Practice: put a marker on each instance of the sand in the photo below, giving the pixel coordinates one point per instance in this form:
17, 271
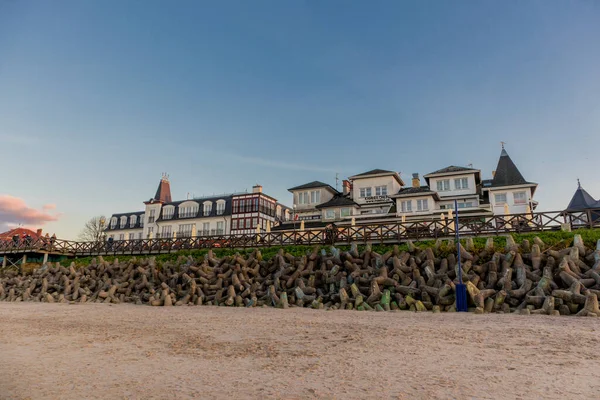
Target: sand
97, 351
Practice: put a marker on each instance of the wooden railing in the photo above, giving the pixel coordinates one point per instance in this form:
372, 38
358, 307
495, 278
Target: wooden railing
396, 232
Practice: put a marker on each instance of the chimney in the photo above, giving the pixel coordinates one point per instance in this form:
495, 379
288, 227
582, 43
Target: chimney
347, 186
257, 189
39, 233
416, 182
493, 174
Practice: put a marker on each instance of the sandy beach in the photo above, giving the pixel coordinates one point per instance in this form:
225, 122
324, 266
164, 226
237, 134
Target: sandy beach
97, 351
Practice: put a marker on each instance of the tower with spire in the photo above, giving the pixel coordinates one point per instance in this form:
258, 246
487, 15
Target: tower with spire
508, 192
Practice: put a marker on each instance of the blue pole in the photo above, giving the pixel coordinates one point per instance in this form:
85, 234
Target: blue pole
461, 289
457, 242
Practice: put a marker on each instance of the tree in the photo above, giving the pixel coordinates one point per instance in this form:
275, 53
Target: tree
93, 230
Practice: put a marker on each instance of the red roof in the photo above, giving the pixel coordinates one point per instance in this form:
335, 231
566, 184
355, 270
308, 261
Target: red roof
20, 231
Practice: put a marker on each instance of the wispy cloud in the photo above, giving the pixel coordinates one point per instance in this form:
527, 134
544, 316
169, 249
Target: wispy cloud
14, 211
283, 164
17, 139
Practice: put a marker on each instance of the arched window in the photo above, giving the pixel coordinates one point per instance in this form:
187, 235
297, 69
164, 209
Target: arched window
123, 222
278, 211
113, 222
287, 215
207, 208
188, 209
132, 221
168, 211
220, 207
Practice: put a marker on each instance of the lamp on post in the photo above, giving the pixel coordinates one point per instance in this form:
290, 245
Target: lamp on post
101, 230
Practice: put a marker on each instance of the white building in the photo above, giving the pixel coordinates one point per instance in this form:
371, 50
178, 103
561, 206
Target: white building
371, 190
508, 192
208, 216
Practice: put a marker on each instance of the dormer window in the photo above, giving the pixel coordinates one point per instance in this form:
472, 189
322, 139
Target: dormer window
207, 208
220, 207
168, 212
113, 222
132, 220
188, 209
461, 183
123, 222
365, 192
443, 185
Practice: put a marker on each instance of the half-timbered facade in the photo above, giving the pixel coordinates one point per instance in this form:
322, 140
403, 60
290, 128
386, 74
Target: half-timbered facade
207, 216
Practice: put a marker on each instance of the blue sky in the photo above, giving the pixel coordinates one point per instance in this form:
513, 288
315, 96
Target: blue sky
98, 98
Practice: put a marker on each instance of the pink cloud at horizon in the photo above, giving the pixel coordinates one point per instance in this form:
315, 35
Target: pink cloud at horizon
14, 211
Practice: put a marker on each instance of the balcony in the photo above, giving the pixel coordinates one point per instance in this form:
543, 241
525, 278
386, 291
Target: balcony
188, 214
150, 220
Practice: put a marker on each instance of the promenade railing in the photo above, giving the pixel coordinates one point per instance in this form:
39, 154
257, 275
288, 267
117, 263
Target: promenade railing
395, 232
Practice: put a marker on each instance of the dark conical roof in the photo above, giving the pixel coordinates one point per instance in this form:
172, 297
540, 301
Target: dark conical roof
582, 200
507, 173
163, 193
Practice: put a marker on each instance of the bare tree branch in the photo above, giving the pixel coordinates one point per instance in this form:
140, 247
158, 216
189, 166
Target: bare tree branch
93, 230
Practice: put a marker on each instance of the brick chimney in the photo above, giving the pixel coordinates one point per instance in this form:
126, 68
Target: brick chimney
257, 189
39, 233
493, 174
416, 182
347, 186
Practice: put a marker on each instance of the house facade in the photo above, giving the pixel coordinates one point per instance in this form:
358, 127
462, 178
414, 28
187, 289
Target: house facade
208, 216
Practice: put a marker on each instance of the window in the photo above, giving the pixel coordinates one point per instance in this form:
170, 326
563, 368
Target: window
345, 212
465, 205
220, 207
168, 212
329, 214
520, 197
303, 198
132, 236
188, 210
132, 220
381, 190
254, 222
151, 216
142, 220
166, 231
220, 230
122, 236
234, 224
443, 185
207, 208
365, 192
150, 231
500, 198
113, 222
461, 183
315, 196
185, 230
236, 206
206, 229
140, 235
422, 205
406, 206
123, 222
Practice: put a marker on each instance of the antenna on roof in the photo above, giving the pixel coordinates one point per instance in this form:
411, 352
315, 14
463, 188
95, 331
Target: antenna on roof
578, 183
470, 165
337, 180
502, 143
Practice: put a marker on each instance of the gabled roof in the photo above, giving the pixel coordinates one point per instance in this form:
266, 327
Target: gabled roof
507, 173
313, 185
417, 191
18, 231
451, 169
338, 201
378, 172
582, 200
375, 172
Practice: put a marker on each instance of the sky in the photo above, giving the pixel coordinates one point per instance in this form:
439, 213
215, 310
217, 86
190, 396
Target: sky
99, 98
